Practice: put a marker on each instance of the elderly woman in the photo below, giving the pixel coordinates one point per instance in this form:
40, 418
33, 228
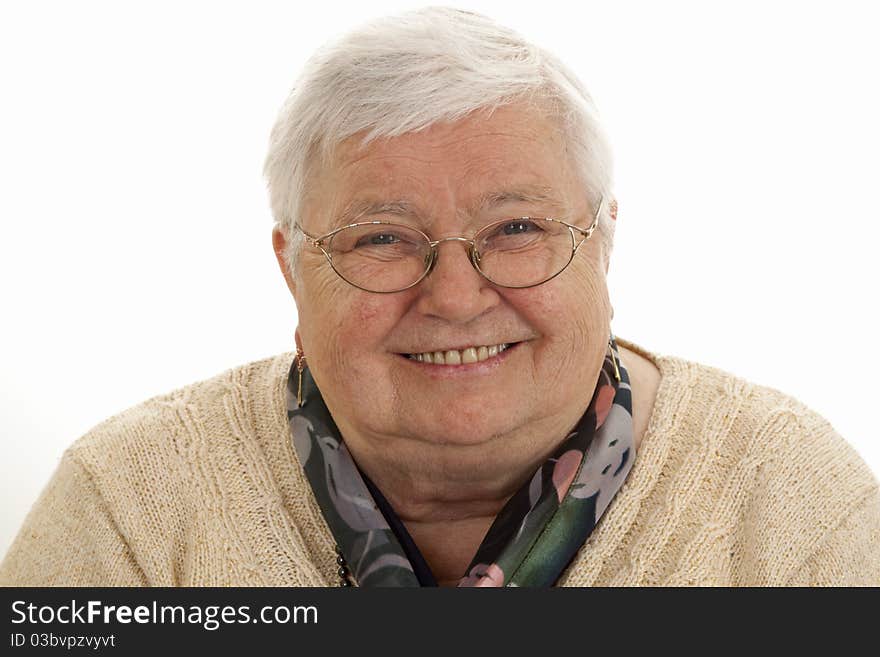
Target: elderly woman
458, 411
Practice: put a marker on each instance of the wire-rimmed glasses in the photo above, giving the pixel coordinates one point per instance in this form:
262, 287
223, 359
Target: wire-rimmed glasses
385, 257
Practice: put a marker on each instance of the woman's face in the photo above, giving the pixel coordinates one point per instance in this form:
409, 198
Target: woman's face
450, 180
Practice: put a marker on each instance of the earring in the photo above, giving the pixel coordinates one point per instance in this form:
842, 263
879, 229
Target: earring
614, 361
300, 366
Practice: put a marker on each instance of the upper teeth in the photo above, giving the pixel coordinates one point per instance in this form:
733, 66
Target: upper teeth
454, 357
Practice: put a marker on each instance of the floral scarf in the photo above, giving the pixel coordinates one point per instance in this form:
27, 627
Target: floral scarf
535, 536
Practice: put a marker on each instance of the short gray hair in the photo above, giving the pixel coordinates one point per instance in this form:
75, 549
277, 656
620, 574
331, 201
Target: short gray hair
403, 73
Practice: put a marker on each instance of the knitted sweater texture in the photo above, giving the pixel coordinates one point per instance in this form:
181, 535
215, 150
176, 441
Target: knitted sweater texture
733, 484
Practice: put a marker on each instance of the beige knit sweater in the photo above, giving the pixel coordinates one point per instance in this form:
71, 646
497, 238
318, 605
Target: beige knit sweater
734, 484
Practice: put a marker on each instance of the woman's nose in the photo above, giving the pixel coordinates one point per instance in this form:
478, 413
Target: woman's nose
455, 290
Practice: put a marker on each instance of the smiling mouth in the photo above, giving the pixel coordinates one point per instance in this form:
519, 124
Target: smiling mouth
476, 354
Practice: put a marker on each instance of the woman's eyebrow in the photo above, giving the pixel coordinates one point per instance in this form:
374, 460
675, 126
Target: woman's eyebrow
360, 209
537, 195
364, 208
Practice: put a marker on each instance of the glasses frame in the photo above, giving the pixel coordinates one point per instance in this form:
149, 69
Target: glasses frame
473, 254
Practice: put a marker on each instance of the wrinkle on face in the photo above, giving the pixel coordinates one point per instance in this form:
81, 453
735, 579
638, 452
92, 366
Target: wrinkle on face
472, 439
374, 173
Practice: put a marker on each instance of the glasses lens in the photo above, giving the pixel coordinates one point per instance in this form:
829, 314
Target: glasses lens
523, 252
380, 257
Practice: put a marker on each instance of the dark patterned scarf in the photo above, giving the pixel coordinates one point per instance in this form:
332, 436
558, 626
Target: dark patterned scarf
533, 538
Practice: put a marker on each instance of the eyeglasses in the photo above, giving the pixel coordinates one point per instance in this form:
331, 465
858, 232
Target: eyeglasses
384, 257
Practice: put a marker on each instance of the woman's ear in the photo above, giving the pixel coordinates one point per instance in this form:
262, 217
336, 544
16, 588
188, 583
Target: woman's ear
612, 211
279, 245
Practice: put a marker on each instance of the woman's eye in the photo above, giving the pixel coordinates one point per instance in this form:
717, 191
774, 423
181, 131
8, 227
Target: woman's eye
518, 227
378, 239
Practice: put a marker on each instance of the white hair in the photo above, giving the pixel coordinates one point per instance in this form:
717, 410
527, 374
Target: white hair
403, 73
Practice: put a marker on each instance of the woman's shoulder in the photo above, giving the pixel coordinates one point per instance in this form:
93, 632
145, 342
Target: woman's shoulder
713, 405
771, 424
160, 491
173, 424
746, 467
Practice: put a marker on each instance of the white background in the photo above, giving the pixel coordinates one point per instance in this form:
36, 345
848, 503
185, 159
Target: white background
136, 257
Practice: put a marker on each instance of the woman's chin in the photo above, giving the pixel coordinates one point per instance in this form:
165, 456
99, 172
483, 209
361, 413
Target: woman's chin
455, 425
